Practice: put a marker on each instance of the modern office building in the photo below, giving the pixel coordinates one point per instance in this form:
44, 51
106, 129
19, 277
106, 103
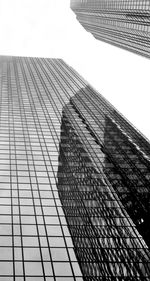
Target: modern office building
123, 23
74, 179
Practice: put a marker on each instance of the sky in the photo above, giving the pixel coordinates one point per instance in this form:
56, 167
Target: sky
48, 28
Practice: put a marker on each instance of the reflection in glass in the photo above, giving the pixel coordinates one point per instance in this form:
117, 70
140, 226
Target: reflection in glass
95, 187
74, 180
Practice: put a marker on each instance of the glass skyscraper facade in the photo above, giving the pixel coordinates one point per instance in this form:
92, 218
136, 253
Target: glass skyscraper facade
124, 23
74, 179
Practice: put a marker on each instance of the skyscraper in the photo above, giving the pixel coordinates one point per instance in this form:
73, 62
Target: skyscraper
74, 179
125, 24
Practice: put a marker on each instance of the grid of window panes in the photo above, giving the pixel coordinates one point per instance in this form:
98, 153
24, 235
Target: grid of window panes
62, 214
35, 242
94, 198
122, 23
125, 155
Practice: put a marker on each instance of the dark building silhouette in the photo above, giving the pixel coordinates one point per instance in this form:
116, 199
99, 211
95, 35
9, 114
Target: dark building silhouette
74, 179
125, 24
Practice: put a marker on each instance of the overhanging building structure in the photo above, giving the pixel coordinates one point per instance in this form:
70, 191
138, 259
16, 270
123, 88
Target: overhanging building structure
125, 24
74, 179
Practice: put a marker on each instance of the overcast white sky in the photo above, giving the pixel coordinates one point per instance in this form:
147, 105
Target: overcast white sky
48, 28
